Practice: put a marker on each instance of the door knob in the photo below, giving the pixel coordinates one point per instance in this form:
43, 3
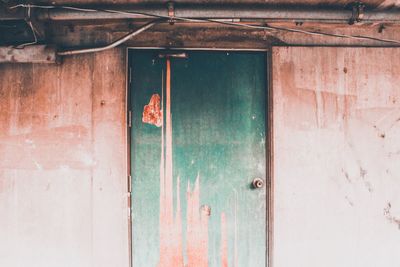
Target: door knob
258, 183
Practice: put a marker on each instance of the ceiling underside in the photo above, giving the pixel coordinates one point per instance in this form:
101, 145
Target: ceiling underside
90, 33
378, 4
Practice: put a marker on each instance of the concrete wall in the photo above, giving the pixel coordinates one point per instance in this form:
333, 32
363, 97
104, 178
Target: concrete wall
336, 157
63, 199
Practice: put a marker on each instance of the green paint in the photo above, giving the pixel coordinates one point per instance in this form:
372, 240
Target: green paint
218, 104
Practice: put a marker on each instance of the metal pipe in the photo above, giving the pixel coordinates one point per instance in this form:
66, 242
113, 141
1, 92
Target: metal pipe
222, 12
112, 45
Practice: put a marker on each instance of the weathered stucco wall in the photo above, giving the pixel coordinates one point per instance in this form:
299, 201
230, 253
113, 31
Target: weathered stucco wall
336, 157
63, 198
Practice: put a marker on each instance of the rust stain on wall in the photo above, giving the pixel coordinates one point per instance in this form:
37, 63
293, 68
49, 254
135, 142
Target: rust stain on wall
197, 229
48, 149
58, 146
338, 109
388, 215
322, 106
152, 113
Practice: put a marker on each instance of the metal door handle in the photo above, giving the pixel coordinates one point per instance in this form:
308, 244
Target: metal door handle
258, 183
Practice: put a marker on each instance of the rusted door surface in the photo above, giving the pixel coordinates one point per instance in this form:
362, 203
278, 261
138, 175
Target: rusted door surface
198, 141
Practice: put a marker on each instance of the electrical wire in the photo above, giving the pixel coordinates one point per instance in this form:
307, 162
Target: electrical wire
357, 37
235, 24
29, 22
112, 45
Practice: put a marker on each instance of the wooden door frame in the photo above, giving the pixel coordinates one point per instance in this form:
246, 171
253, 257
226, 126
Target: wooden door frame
269, 165
268, 143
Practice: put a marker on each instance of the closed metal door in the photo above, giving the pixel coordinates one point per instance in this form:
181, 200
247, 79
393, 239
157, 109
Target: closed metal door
198, 158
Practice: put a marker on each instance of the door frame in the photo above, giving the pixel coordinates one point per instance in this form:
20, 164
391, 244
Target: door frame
268, 143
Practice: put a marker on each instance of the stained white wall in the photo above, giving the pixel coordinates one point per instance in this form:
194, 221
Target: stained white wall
63, 198
63, 189
336, 157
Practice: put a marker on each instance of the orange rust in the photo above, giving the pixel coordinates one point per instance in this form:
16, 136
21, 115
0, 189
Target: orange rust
171, 253
347, 133
152, 113
171, 232
224, 242
197, 229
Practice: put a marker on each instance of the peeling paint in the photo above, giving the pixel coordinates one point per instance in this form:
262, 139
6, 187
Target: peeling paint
206, 210
152, 113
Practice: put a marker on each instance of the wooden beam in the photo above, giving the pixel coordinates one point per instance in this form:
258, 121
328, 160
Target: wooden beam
28, 54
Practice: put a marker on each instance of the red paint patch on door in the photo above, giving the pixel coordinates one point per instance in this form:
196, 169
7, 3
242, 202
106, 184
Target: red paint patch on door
152, 113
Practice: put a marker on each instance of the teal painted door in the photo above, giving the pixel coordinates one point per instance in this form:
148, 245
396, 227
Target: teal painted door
198, 140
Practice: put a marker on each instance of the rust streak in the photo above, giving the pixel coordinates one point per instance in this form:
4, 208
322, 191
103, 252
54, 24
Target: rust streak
197, 229
388, 214
224, 242
170, 228
171, 234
